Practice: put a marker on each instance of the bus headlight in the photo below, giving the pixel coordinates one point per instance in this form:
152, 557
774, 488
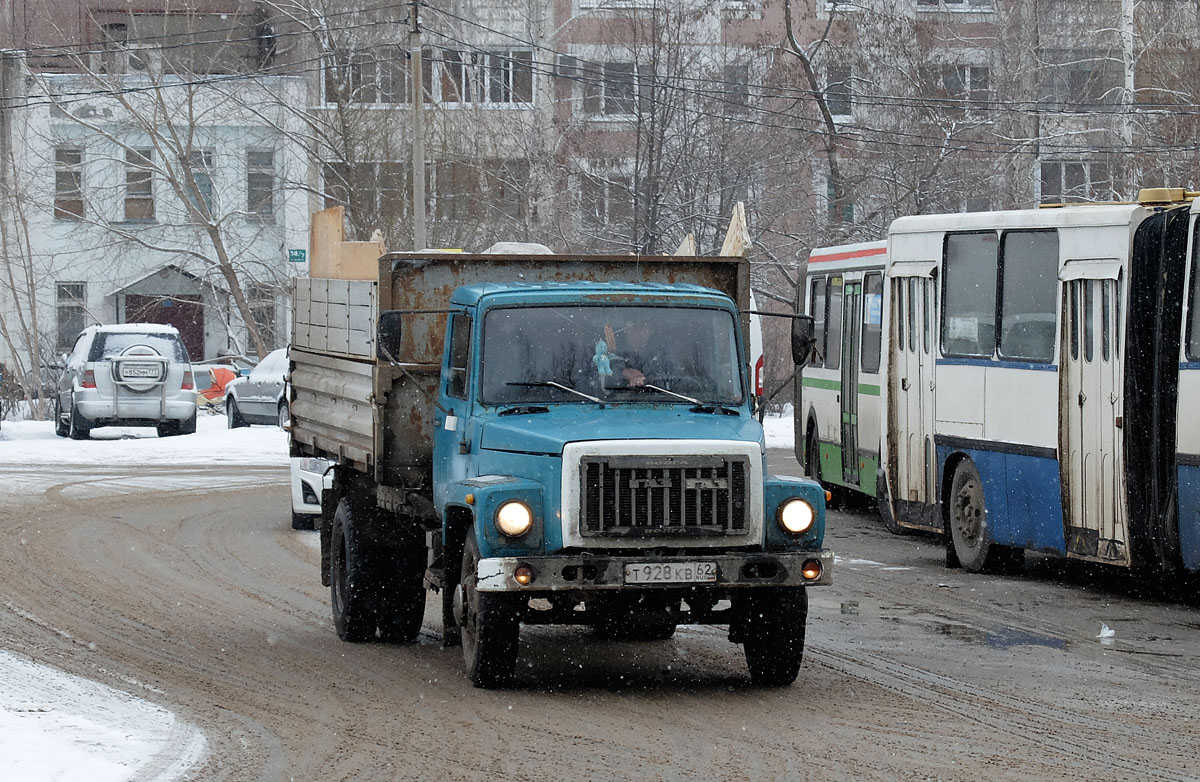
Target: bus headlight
796, 516
514, 518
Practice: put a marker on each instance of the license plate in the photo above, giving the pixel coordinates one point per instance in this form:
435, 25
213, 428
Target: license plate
139, 370
670, 572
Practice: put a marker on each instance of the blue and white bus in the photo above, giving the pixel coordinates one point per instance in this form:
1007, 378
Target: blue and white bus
1040, 373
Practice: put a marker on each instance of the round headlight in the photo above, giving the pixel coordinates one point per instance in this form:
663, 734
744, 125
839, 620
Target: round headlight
514, 518
796, 516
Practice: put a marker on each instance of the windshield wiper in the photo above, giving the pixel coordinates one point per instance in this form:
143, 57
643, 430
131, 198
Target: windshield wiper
552, 384
524, 410
698, 406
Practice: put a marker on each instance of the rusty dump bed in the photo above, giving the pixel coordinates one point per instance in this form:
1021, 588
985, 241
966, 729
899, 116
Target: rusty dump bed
337, 381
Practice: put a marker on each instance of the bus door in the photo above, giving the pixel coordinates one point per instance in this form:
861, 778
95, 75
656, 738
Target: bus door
1090, 455
851, 339
911, 389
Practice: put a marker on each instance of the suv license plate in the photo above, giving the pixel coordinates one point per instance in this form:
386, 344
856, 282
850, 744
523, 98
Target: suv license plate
139, 370
670, 572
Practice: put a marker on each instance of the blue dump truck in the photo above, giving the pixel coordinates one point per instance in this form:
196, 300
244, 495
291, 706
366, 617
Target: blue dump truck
537, 447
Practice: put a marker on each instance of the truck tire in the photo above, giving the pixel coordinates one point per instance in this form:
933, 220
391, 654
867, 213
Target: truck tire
350, 577
774, 634
402, 594
489, 623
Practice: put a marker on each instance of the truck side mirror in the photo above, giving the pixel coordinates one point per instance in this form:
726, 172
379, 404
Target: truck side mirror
804, 338
387, 341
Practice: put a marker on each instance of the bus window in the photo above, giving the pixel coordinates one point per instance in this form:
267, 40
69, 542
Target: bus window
872, 321
1089, 321
901, 287
1105, 320
1117, 318
1073, 319
833, 321
816, 308
926, 302
969, 292
912, 314
1028, 282
1193, 333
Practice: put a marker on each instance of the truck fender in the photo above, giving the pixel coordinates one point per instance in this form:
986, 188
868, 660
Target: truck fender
483, 496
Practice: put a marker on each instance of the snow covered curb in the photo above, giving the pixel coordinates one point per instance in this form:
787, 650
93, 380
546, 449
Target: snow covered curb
57, 726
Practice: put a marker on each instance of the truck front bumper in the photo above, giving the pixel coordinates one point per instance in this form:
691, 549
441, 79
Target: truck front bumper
589, 573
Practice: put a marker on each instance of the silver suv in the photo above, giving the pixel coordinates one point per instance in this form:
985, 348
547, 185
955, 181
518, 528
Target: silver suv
135, 374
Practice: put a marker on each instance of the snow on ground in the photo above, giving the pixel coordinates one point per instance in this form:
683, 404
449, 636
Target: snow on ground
34, 442
54, 726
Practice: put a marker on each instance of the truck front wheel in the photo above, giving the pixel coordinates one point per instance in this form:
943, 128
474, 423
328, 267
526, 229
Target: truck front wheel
489, 623
349, 577
773, 634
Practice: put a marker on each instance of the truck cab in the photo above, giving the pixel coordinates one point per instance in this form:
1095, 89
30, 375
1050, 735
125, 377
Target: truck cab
595, 446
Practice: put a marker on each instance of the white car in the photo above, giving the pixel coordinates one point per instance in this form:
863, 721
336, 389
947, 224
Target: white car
310, 478
260, 397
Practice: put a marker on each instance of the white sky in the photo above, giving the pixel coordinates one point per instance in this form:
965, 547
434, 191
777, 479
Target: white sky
55, 726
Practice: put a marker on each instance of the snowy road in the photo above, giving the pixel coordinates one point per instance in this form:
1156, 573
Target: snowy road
188, 589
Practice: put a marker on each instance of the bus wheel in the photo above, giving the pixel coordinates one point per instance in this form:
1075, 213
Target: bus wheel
968, 518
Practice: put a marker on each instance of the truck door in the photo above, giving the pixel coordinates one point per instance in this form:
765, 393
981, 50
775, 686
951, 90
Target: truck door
851, 339
1090, 446
451, 439
913, 463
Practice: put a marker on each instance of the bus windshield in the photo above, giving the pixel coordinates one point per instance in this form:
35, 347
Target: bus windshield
617, 353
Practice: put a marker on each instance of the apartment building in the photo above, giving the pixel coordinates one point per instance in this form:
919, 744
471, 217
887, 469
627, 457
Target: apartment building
154, 170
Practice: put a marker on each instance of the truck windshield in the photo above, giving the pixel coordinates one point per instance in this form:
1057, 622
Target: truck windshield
612, 352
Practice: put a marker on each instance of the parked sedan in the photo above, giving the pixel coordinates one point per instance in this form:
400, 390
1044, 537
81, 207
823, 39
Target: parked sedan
261, 397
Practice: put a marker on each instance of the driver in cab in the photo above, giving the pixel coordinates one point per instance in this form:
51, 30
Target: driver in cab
633, 352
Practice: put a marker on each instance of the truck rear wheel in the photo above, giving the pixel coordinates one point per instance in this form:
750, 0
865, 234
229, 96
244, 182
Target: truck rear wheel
489, 623
349, 577
773, 634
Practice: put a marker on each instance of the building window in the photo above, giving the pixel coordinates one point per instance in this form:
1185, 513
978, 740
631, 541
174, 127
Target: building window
968, 83
493, 188
72, 312
493, 77
375, 77
200, 165
838, 90
608, 88
260, 183
847, 213
261, 298
954, 5
606, 198
139, 185
1065, 181
1083, 78
68, 183
735, 92
373, 192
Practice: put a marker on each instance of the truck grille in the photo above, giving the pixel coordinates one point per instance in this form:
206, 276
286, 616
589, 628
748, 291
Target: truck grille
668, 496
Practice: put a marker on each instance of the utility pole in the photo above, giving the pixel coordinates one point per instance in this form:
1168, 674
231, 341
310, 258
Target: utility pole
418, 130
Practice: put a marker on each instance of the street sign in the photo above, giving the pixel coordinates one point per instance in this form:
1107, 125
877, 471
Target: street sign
297, 256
